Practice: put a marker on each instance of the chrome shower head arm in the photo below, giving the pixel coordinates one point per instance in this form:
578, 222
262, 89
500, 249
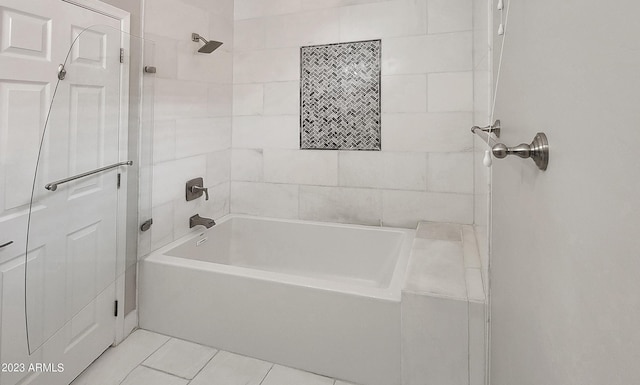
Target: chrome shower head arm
195, 37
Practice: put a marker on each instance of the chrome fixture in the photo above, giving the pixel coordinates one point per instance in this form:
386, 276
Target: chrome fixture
538, 150
491, 129
209, 45
195, 188
53, 186
6, 244
150, 69
146, 225
198, 189
197, 220
62, 73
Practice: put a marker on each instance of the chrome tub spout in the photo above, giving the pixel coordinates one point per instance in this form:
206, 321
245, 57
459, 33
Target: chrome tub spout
197, 220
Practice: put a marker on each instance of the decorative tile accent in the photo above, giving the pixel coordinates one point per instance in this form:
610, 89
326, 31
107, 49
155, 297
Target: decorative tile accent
340, 96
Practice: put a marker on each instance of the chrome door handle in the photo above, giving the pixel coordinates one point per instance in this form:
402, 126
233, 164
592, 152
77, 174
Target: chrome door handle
6, 244
538, 150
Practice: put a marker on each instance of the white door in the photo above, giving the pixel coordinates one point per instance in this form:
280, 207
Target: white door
565, 270
72, 238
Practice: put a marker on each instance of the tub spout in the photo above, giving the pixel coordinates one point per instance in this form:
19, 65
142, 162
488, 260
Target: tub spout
198, 220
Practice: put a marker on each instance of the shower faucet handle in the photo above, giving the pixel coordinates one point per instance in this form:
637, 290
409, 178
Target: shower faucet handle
195, 188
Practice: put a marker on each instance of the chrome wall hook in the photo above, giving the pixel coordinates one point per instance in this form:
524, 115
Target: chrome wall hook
491, 129
538, 150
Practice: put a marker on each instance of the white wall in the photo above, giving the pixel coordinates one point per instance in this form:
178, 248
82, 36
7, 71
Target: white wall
565, 250
425, 168
193, 95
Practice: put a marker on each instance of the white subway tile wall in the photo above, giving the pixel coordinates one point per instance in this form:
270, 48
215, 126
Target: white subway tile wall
448, 52
248, 99
383, 19
449, 15
404, 93
450, 92
449, 172
282, 98
341, 204
246, 165
292, 167
427, 102
265, 199
425, 169
193, 111
384, 170
259, 131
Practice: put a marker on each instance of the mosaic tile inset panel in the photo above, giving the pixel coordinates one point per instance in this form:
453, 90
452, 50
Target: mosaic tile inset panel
340, 96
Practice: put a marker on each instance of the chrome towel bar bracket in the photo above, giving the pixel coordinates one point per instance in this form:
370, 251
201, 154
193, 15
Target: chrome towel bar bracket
53, 186
490, 129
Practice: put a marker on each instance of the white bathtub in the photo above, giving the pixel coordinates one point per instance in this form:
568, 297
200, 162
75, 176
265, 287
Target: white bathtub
319, 297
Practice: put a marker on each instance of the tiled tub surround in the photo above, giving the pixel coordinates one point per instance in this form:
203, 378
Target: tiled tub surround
315, 296
425, 168
192, 112
443, 305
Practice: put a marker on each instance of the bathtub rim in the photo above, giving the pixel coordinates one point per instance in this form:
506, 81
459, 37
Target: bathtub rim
391, 293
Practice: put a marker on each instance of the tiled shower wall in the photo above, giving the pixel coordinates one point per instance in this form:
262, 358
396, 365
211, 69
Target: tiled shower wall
193, 96
425, 168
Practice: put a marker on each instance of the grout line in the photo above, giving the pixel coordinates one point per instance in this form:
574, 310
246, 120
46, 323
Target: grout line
265, 376
173, 374
164, 371
205, 365
149, 355
199, 371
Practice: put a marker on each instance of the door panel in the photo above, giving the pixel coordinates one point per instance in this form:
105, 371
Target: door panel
71, 261
90, 49
78, 225
26, 82
15, 160
13, 347
25, 34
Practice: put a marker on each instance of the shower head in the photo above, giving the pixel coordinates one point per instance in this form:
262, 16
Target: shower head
209, 46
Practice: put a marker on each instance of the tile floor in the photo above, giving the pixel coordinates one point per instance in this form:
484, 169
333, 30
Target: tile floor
147, 358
